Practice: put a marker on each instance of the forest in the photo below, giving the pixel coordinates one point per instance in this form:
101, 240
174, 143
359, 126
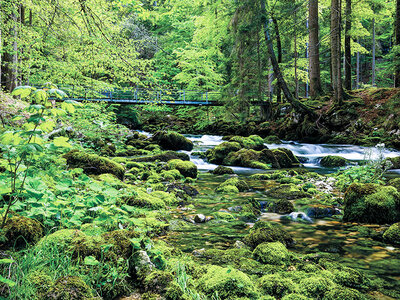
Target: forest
204, 149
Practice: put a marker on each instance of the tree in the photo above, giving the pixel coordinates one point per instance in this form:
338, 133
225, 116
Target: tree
347, 48
397, 43
313, 48
336, 76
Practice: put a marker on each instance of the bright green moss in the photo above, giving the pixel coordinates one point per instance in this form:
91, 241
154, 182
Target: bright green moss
266, 232
349, 277
287, 191
69, 288
219, 152
275, 285
60, 239
392, 234
241, 185
186, 168
271, 253
332, 161
157, 281
295, 297
223, 215
20, 231
229, 283
315, 286
171, 140
344, 293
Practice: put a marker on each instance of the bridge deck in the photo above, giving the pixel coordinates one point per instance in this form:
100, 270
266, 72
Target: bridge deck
148, 102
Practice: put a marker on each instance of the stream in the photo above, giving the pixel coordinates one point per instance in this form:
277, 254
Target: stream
349, 243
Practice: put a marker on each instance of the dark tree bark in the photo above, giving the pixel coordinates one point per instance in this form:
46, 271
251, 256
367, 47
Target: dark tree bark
297, 105
313, 50
279, 48
397, 42
335, 53
373, 53
358, 69
347, 48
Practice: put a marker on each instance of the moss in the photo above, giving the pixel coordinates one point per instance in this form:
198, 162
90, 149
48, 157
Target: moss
108, 150
349, 277
332, 161
395, 161
392, 234
287, 191
171, 140
112, 180
221, 170
121, 241
272, 139
254, 142
241, 185
20, 231
164, 157
60, 239
283, 206
40, 281
295, 297
244, 158
93, 164
271, 253
371, 203
175, 292
227, 189
135, 164
228, 283
223, 215
283, 157
186, 168
219, 152
157, 281
276, 286
171, 175
69, 288
344, 293
143, 199
266, 232
316, 286
84, 245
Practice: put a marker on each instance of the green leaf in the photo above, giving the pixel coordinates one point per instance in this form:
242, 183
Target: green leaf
91, 261
23, 91
61, 141
57, 93
40, 96
9, 282
6, 261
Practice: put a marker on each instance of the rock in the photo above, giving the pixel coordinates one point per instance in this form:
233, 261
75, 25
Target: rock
297, 217
221, 170
199, 218
287, 191
267, 232
254, 142
199, 252
189, 219
272, 139
164, 157
186, 168
93, 164
171, 140
322, 211
392, 235
283, 206
69, 287
229, 185
219, 152
239, 245
395, 161
371, 203
235, 208
143, 264
332, 161
182, 190
20, 232
271, 253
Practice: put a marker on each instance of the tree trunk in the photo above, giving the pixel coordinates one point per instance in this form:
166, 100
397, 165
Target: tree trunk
347, 48
335, 53
397, 42
373, 52
296, 79
297, 105
358, 69
313, 50
279, 48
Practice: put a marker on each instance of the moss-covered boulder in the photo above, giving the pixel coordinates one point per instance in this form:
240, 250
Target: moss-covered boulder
265, 232
288, 192
371, 203
276, 285
20, 231
157, 281
93, 164
332, 161
316, 286
221, 170
218, 153
395, 162
272, 253
392, 234
248, 158
283, 206
228, 283
285, 158
69, 288
171, 140
60, 239
344, 293
186, 168
162, 157
240, 185
254, 142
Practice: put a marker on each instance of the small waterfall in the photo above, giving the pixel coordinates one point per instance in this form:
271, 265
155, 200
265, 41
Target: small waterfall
298, 217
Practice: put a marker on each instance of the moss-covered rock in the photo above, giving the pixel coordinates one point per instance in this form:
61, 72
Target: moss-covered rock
221, 170
20, 231
295, 296
227, 189
186, 168
60, 239
267, 232
371, 203
157, 281
272, 139
349, 277
344, 293
316, 286
332, 161
229, 283
395, 161
285, 158
69, 288
121, 243
392, 234
254, 142
93, 164
171, 140
163, 157
276, 285
283, 206
288, 192
248, 158
218, 153
271, 253
40, 281
241, 185
175, 292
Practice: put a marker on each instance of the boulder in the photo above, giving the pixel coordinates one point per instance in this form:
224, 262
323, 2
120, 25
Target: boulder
221, 170
186, 168
164, 157
219, 152
171, 140
265, 232
332, 161
392, 234
287, 191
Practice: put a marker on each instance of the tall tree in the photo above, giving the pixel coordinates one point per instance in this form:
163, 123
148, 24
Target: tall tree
279, 48
347, 48
373, 53
336, 76
313, 49
397, 42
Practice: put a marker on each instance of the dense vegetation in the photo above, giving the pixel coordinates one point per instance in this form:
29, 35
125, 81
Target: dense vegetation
92, 208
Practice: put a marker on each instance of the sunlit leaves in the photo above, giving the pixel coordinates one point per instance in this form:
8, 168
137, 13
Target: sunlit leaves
61, 141
22, 91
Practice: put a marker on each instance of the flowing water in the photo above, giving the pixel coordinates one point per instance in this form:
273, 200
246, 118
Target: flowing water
349, 243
